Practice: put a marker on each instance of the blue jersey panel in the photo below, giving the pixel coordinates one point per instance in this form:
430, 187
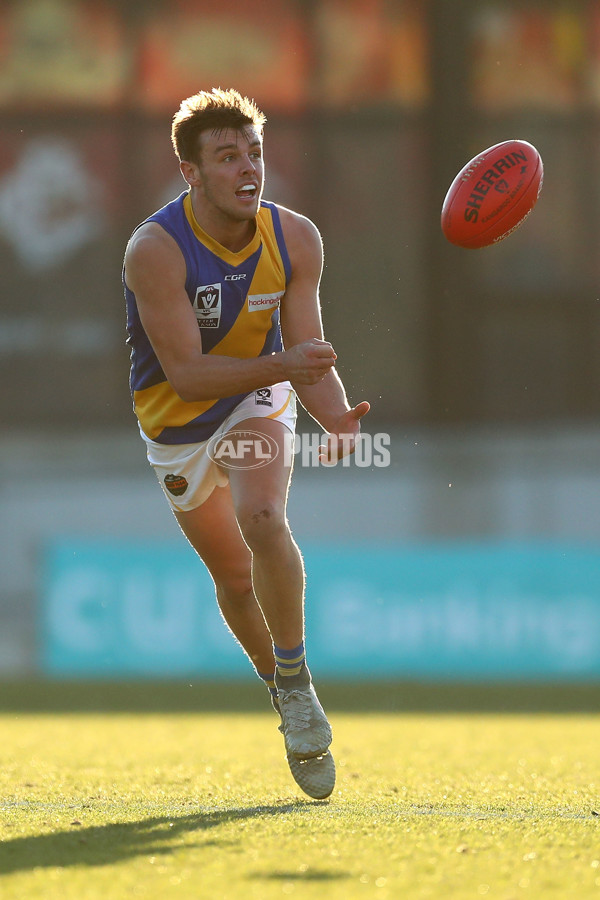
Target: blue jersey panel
236, 299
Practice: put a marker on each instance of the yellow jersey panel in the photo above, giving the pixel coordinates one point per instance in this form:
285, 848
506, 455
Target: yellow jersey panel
236, 299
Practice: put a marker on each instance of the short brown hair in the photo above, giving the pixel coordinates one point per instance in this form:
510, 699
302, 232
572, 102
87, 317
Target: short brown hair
214, 110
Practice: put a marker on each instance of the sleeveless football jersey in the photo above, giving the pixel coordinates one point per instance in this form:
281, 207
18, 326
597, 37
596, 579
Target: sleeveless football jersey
236, 299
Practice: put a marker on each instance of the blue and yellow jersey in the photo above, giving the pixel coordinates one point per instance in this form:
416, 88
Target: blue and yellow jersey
236, 299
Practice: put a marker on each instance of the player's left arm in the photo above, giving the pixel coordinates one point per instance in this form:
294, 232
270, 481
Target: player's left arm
301, 320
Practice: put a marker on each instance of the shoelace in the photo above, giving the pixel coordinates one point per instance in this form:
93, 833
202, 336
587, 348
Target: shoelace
298, 708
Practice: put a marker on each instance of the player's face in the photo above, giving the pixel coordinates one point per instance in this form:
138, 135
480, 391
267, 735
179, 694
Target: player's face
231, 172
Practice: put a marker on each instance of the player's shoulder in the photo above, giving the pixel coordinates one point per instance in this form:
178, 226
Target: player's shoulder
152, 258
149, 240
301, 234
296, 223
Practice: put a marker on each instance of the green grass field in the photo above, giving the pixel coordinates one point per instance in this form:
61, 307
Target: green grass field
463, 804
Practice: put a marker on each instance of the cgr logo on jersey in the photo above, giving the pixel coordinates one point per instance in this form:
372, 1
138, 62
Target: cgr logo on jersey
207, 305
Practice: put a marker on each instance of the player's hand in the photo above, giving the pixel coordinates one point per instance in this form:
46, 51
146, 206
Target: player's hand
341, 440
308, 362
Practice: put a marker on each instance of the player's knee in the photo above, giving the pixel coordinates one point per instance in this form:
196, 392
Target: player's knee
234, 589
262, 525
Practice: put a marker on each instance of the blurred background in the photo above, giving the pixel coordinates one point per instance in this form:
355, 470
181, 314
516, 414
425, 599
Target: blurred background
475, 554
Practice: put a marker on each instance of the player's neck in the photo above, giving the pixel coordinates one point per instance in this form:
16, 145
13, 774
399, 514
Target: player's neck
232, 234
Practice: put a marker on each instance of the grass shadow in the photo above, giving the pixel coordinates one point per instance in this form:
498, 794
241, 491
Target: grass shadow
308, 875
56, 696
115, 842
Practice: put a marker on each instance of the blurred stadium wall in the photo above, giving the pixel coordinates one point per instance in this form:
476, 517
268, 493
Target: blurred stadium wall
482, 366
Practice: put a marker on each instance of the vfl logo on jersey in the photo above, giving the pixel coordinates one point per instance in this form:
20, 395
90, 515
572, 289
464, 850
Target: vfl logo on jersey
263, 397
264, 301
207, 305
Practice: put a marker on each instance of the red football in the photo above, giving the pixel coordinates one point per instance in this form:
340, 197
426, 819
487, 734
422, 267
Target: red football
492, 195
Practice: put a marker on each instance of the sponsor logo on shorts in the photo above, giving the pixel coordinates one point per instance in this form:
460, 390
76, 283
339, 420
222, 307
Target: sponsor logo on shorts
242, 450
264, 301
207, 305
176, 485
263, 397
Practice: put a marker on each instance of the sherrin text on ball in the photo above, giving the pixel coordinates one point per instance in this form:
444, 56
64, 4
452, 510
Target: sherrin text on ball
493, 194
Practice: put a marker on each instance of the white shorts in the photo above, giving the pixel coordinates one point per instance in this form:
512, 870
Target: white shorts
186, 472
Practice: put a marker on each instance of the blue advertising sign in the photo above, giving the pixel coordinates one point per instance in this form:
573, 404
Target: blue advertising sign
434, 611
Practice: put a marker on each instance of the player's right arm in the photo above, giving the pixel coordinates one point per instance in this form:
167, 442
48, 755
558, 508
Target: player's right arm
155, 271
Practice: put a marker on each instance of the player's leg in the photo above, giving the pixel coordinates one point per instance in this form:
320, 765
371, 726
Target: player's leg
213, 531
259, 495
